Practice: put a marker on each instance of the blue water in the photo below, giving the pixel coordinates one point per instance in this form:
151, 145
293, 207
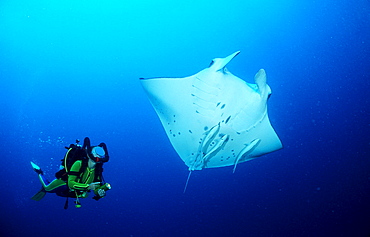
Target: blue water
70, 69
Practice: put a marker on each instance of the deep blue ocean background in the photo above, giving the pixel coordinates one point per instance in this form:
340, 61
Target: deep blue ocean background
71, 69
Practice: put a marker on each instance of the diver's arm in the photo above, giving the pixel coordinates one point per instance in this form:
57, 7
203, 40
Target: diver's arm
72, 178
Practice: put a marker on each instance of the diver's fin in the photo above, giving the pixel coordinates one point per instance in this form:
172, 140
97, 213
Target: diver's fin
36, 168
38, 196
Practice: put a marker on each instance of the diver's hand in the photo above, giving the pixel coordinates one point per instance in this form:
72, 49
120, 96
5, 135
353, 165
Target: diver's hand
101, 192
93, 186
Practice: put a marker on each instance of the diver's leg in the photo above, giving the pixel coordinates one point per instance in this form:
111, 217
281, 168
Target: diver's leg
57, 186
53, 186
43, 180
40, 174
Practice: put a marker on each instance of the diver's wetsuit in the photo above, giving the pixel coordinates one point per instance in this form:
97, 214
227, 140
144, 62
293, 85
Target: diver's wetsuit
80, 183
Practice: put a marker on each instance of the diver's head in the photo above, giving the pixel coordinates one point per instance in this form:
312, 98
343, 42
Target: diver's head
97, 154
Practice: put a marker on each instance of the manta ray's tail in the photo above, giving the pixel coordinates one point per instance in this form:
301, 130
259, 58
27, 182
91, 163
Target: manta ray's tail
187, 181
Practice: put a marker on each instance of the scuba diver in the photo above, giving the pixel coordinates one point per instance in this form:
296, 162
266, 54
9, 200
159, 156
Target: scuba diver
81, 173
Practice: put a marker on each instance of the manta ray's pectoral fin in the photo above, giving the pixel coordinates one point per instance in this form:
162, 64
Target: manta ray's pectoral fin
245, 151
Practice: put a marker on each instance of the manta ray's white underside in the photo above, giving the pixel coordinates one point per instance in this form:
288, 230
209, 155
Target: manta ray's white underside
213, 118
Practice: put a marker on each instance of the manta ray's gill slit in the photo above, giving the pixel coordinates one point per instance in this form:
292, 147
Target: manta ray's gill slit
205, 83
204, 100
201, 107
190, 131
223, 106
202, 90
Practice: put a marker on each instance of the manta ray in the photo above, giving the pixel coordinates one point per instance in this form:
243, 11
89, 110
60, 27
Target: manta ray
213, 118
